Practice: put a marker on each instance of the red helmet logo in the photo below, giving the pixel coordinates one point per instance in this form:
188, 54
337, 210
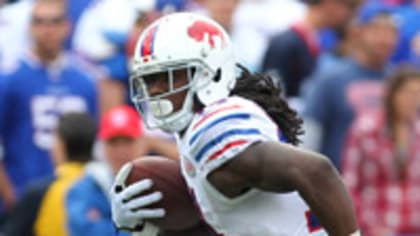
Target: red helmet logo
200, 28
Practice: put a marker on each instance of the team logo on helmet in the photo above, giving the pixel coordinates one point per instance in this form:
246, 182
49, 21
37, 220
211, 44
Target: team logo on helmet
199, 29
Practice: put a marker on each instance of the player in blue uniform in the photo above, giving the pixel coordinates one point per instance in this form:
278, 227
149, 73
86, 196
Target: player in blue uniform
47, 82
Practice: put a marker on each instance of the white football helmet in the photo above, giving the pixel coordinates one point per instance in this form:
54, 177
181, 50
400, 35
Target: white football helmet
181, 41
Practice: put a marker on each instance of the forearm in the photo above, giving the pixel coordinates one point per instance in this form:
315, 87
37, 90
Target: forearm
321, 186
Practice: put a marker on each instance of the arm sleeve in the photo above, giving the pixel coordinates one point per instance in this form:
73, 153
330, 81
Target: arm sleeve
226, 130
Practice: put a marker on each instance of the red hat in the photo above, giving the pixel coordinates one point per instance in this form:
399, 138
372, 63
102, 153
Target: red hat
121, 121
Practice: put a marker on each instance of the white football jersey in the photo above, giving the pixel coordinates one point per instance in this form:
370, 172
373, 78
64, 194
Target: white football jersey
215, 136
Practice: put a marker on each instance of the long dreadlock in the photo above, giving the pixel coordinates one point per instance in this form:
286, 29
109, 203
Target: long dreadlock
261, 89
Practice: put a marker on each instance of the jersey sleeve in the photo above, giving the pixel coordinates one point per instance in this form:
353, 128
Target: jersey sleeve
225, 130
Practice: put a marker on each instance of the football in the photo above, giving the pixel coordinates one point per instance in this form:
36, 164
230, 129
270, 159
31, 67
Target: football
167, 178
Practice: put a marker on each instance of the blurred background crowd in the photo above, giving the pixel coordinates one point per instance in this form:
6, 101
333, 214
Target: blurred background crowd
351, 68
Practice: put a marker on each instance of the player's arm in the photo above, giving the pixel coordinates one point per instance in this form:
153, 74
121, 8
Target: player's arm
277, 167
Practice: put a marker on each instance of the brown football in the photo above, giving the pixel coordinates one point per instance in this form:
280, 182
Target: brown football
167, 178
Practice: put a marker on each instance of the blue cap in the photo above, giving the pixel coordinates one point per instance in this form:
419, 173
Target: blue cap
371, 9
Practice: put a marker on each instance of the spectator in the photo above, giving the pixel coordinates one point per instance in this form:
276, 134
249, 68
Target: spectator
409, 44
15, 21
45, 83
347, 39
382, 161
41, 212
351, 87
409, 26
293, 54
122, 132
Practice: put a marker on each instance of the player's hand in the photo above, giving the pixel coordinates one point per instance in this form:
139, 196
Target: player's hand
129, 206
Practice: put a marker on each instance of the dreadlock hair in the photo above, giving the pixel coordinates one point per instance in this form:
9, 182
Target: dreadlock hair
261, 89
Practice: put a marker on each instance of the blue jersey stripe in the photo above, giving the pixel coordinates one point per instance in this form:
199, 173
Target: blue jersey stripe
217, 121
222, 137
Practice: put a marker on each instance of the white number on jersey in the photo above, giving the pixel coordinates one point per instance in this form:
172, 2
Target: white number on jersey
46, 110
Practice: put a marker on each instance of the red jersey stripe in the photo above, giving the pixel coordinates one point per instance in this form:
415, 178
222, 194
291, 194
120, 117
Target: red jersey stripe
225, 148
203, 119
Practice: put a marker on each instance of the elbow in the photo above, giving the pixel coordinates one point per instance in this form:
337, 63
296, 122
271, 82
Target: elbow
325, 166
319, 172
316, 177
323, 170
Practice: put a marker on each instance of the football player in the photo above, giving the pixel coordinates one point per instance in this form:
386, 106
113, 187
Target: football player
237, 140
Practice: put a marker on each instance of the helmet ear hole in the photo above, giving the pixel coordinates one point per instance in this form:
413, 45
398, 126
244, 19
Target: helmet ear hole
218, 75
